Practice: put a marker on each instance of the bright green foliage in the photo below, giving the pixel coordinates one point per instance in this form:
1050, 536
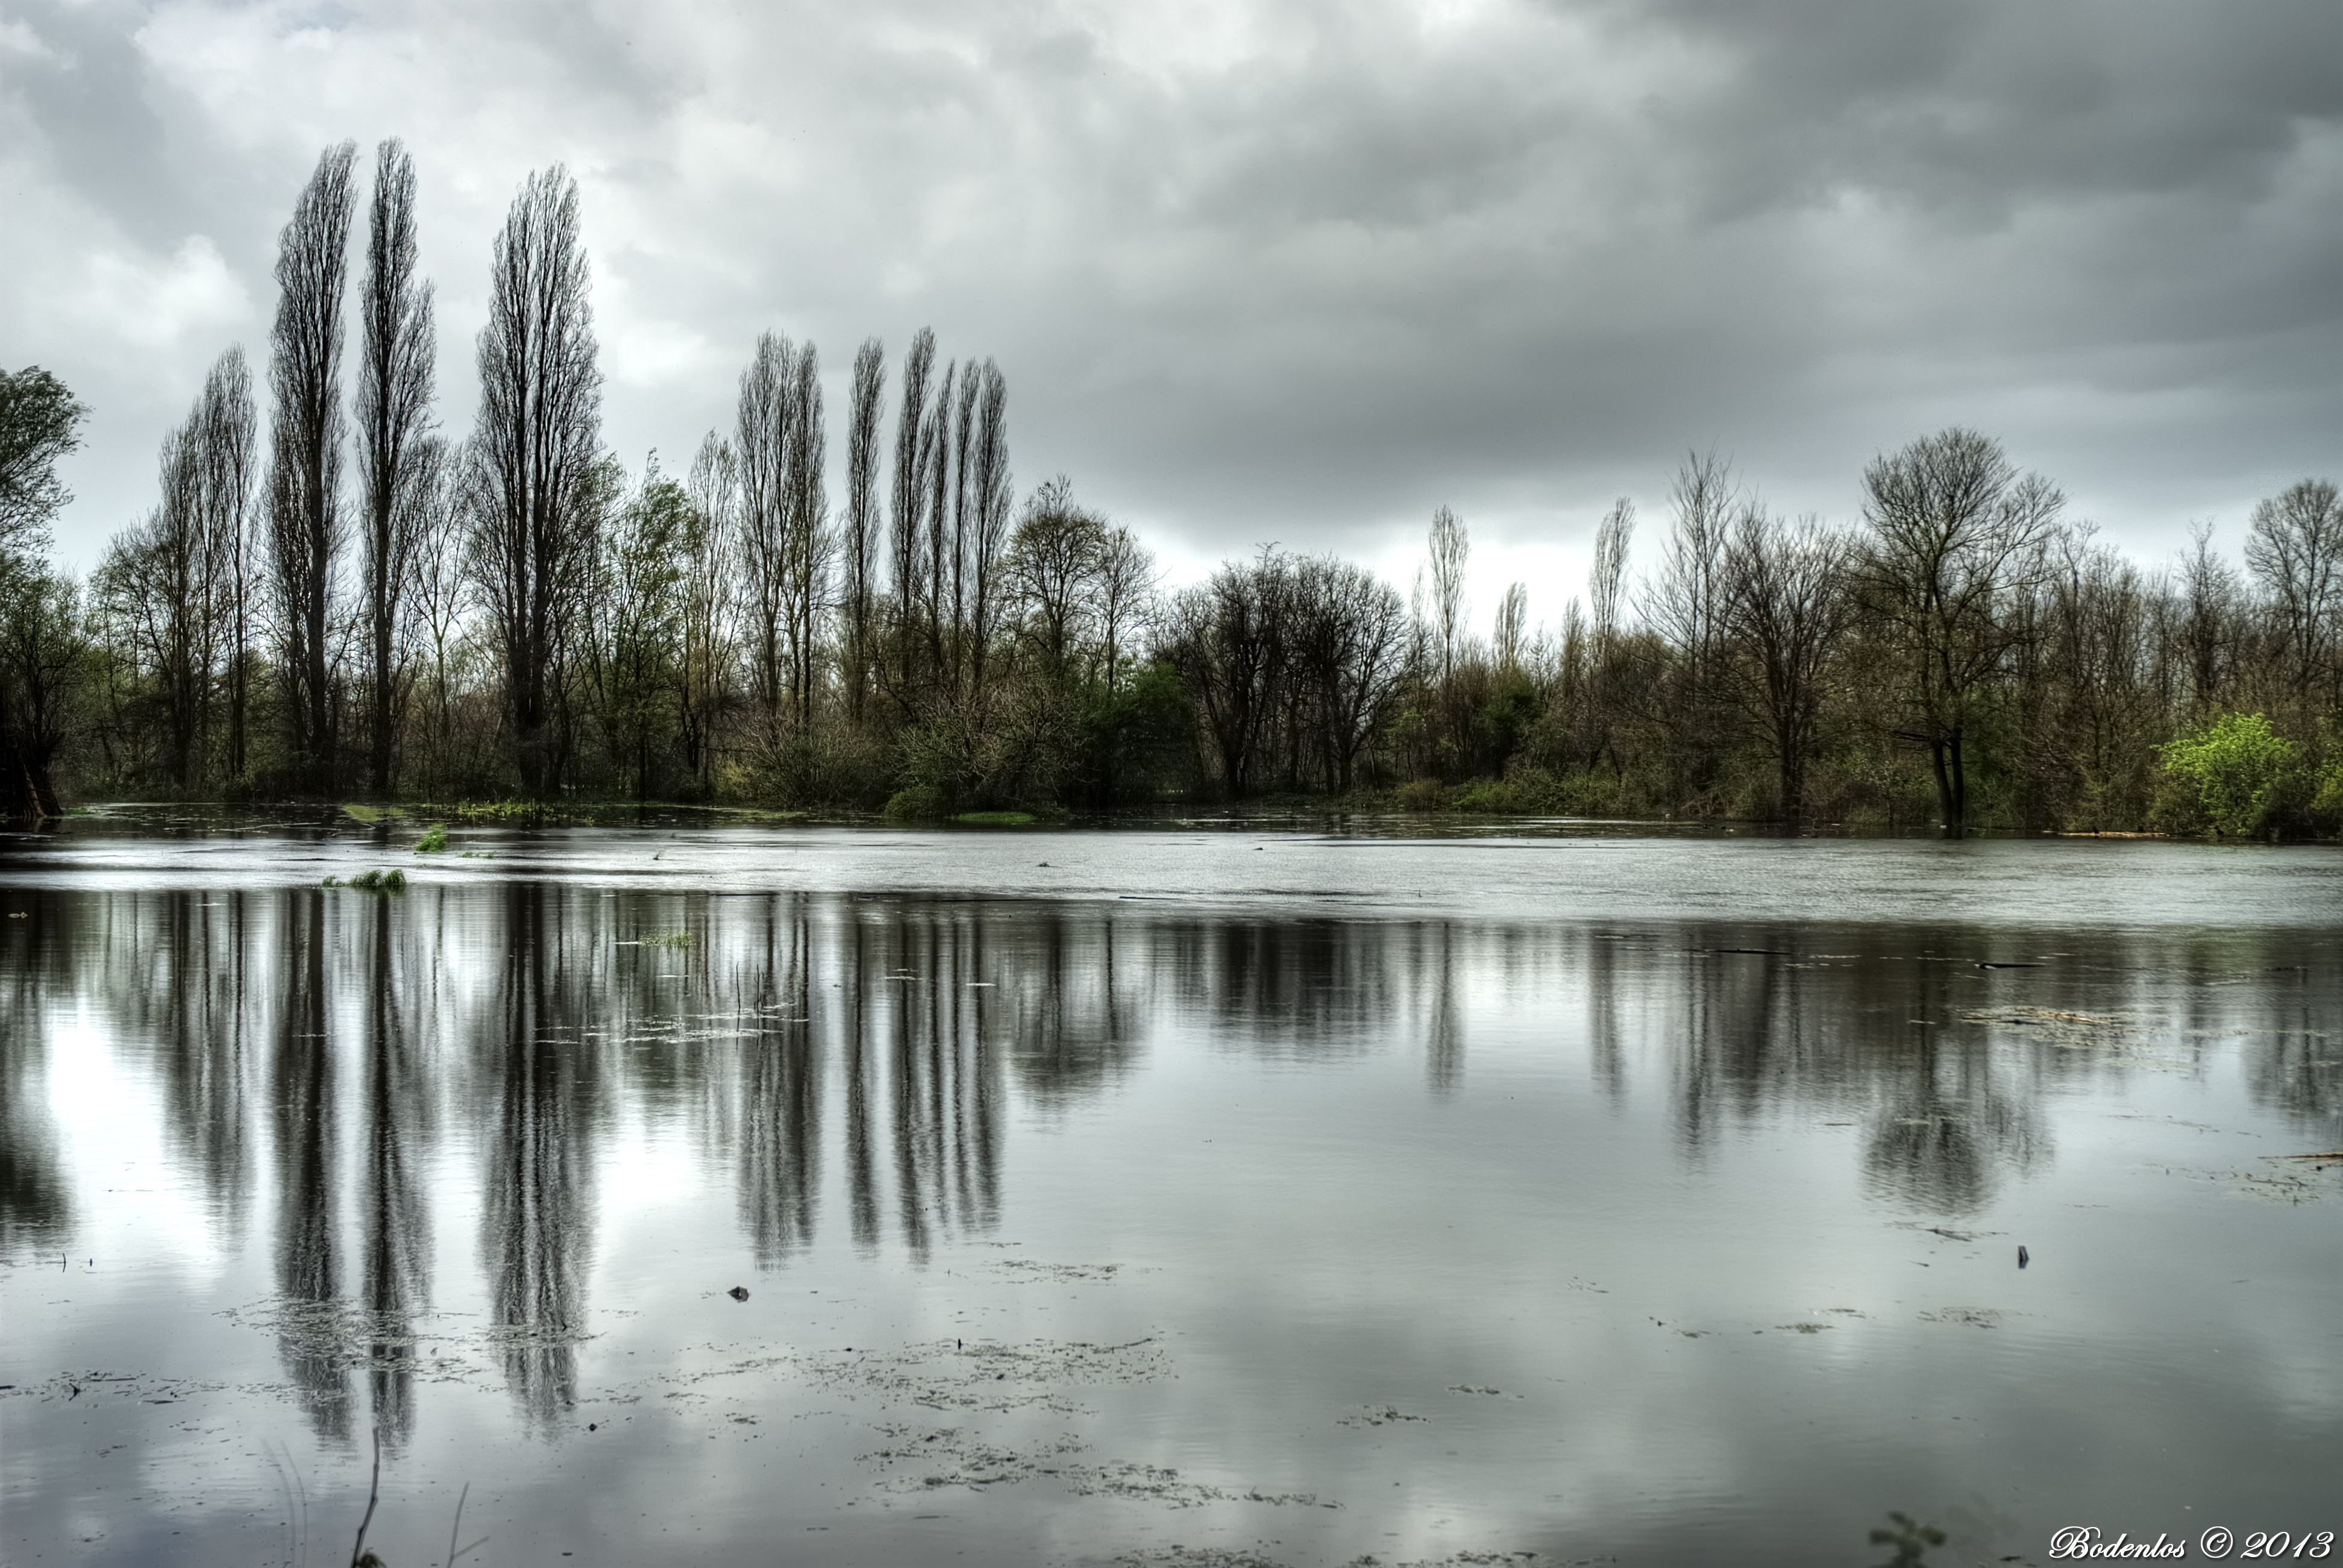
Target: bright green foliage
2329, 798
390, 881
918, 803
433, 842
2238, 769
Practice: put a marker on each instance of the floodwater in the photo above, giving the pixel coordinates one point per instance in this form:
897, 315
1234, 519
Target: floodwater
1212, 1198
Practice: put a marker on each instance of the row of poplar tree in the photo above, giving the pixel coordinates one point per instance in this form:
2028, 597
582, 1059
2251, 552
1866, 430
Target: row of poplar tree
359, 605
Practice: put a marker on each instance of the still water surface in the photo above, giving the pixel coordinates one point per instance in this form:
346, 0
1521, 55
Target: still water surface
1167, 1197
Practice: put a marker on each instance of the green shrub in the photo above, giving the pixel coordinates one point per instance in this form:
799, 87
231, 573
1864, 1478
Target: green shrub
919, 803
432, 842
1423, 795
1528, 791
2234, 776
2329, 801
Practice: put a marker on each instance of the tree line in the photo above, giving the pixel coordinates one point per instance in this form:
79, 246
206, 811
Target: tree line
365, 605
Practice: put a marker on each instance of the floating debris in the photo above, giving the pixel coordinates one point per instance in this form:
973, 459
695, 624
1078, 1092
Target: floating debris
1378, 1415
1974, 1317
2066, 1030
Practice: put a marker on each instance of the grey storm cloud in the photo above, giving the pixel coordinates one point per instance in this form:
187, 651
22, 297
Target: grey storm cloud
1296, 271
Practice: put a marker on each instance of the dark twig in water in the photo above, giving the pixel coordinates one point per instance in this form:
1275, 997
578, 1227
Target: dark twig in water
457, 1529
374, 1495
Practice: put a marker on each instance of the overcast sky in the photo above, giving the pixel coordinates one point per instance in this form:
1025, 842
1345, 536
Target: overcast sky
1293, 272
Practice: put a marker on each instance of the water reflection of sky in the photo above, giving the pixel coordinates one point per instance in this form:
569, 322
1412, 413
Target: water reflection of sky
470, 1167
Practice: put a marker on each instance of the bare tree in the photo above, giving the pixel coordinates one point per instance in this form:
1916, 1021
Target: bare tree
989, 493
2295, 545
763, 439
1052, 561
2207, 628
442, 587
1785, 605
1611, 541
229, 448
1227, 637
808, 540
168, 564
1125, 584
936, 462
536, 484
176, 584
1512, 621
1451, 548
1956, 531
394, 403
707, 642
304, 491
1685, 606
909, 549
863, 521
1347, 636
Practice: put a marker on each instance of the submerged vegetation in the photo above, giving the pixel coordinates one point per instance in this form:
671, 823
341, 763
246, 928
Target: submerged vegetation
366, 607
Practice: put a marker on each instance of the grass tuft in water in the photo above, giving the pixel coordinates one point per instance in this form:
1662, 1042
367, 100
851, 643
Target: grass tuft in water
391, 881
433, 842
1910, 1538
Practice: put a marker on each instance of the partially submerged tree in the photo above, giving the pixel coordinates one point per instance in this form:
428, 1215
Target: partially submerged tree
1784, 607
39, 425
306, 521
536, 484
1956, 531
393, 407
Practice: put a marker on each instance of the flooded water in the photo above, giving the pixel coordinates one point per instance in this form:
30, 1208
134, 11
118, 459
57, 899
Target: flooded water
1163, 1197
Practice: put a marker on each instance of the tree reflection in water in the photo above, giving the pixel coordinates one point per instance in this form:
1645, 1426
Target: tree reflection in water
398, 1115
303, 1115
541, 1076
35, 1204
341, 1032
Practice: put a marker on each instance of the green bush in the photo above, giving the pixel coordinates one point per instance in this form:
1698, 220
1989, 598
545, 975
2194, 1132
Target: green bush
2329, 801
1423, 795
2235, 775
432, 842
919, 803
1524, 791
